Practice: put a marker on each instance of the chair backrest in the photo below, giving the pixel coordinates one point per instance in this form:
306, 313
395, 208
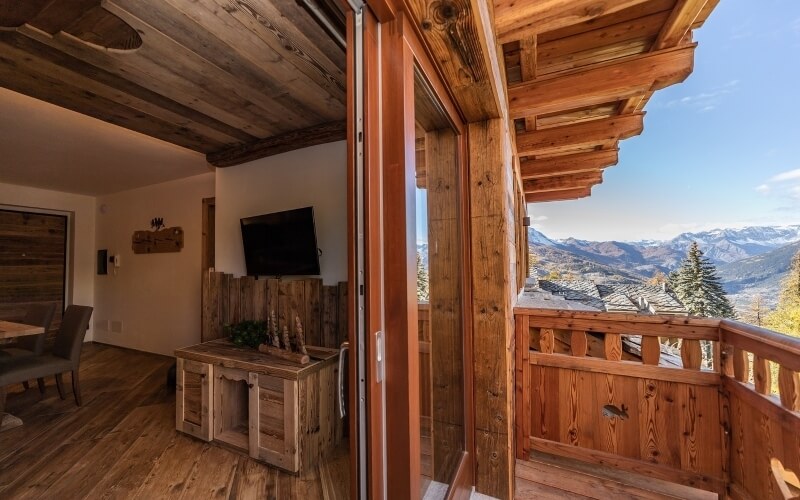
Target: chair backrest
39, 315
70, 336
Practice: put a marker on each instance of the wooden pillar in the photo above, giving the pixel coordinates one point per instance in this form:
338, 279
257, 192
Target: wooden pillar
493, 289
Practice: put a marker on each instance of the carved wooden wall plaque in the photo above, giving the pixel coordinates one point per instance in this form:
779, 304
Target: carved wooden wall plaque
169, 239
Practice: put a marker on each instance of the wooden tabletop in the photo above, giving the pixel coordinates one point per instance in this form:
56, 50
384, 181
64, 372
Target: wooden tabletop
222, 352
9, 330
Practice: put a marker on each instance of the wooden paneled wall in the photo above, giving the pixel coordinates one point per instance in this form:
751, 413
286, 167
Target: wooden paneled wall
32, 262
228, 299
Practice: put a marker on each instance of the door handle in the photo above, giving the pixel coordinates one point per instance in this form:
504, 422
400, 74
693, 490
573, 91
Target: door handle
342, 403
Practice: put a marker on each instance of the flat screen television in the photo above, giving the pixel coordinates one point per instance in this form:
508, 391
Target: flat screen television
281, 243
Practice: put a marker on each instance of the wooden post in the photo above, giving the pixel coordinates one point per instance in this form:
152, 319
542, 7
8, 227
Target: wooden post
493, 275
789, 387
578, 343
762, 377
651, 350
741, 367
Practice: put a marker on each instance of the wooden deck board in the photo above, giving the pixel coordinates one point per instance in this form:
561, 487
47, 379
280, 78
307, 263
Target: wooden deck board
122, 443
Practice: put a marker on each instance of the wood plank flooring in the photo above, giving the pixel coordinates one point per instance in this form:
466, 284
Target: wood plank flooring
122, 443
548, 477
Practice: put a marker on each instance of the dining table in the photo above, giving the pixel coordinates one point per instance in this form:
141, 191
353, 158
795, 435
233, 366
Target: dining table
9, 330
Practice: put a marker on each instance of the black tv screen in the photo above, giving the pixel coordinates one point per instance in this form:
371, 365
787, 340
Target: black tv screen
281, 243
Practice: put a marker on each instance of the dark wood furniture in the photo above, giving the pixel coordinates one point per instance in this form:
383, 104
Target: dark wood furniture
269, 408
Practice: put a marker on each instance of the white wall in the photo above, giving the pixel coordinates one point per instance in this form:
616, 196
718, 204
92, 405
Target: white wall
314, 176
156, 296
81, 268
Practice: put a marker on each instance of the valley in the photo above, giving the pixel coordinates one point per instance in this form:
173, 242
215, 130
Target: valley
750, 261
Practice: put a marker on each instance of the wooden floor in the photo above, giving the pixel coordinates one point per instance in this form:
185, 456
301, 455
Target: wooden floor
546, 477
122, 443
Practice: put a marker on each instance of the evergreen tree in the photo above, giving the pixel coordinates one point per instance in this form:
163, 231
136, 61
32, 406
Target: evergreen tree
786, 317
422, 280
697, 285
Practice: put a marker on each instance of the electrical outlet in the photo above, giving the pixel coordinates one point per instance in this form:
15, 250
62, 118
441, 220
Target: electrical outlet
116, 326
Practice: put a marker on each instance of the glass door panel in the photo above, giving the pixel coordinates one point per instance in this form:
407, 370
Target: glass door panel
439, 241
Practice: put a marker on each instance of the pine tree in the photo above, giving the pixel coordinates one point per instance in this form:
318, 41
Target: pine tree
422, 280
697, 285
786, 317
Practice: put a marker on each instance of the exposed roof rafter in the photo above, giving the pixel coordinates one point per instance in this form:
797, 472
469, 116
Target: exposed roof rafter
584, 134
601, 83
568, 194
517, 18
568, 164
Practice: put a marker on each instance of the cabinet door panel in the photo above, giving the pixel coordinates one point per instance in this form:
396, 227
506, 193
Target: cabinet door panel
193, 408
273, 421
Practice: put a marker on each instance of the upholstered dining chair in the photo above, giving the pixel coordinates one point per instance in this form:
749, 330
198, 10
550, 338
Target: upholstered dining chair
65, 357
31, 345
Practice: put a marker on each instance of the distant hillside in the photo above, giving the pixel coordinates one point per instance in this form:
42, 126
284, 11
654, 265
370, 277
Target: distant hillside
762, 274
569, 265
750, 261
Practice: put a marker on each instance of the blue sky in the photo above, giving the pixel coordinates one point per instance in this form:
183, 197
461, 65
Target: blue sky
721, 149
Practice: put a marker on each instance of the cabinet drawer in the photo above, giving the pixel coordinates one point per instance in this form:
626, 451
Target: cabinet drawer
273, 421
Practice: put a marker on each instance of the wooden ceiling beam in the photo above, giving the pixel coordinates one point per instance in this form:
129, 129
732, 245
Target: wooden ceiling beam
562, 182
601, 83
582, 134
461, 37
679, 23
682, 19
565, 195
568, 164
311, 136
515, 19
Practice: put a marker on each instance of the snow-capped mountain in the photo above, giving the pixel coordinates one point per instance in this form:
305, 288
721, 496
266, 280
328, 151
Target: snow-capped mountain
537, 238
736, 252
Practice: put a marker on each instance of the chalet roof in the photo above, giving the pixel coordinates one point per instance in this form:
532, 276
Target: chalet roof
626, 297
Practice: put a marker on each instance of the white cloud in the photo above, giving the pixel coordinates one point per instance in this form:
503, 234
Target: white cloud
705, 101
785, 183
786, 176
538, 218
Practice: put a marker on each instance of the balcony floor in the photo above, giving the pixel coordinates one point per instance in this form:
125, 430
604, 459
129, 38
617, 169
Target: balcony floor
549, 477
122, 443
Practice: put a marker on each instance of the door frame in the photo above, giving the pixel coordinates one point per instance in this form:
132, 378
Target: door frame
402, 52
381, 214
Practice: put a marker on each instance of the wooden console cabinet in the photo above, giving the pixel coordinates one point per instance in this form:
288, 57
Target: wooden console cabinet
275, 411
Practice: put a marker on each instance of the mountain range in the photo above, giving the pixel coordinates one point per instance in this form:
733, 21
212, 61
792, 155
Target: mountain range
750, 261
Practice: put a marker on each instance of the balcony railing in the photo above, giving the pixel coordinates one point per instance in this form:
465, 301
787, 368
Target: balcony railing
603, 388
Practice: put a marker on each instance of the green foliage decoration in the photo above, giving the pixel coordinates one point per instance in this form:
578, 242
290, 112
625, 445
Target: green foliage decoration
247, 333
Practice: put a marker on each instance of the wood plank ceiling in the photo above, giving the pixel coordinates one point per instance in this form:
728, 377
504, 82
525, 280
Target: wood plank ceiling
580, 73
234, 79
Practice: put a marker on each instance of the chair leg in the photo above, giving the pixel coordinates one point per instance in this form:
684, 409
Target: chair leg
40, 381
25, 385
60, 385
76, 390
